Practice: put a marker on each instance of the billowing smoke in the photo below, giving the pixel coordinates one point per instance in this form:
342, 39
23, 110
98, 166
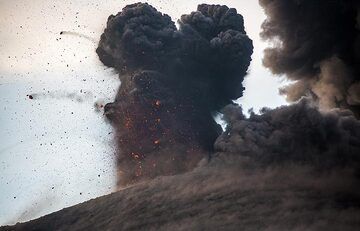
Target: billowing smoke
172, 80
317, 45
293, 135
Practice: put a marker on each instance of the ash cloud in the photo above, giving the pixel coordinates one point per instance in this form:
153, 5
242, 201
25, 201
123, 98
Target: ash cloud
317, 45
298, 134
172, 80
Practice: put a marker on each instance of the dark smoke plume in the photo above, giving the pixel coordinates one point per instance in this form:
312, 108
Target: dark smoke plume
317, 44
172, 80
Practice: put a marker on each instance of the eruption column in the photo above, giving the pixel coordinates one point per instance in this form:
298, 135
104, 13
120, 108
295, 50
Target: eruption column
172, 80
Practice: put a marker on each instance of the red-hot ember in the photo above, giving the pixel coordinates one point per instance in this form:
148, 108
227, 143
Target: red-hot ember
135, 156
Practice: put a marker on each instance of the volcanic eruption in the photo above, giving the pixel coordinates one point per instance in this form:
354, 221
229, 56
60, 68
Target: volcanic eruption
172, 81
294, 167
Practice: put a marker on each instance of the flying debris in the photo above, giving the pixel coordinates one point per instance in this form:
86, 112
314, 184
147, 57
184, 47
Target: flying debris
72, 33
81, 97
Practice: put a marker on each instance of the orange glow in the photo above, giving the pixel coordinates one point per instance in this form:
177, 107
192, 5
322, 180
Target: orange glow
135, 156
157, 142
138, 170
128, 123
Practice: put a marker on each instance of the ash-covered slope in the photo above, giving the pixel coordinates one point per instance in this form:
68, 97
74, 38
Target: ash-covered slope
216, 199
292, 168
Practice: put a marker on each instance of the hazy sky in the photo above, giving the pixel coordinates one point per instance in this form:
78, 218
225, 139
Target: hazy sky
56, 150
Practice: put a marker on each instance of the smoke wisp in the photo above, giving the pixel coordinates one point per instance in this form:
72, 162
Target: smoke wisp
72, 33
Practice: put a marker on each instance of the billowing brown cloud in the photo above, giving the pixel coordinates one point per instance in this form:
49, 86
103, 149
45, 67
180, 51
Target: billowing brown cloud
317, 45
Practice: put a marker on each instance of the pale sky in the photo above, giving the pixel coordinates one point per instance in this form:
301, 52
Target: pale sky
56, 151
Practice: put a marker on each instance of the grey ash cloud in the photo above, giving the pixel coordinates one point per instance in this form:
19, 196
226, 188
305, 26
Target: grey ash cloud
298, 134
